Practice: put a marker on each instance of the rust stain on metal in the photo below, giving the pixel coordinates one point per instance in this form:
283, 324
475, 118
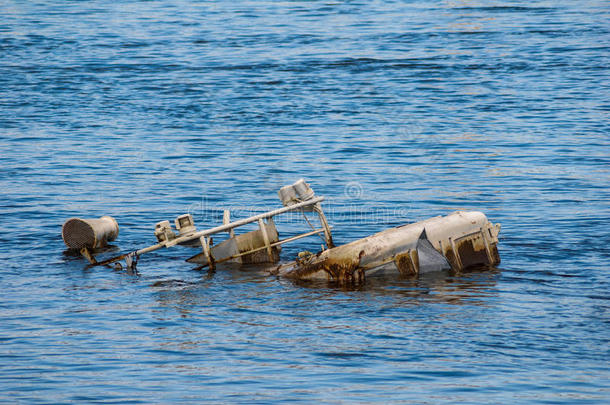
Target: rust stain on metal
87, 255
407, 263
465, 239
472, 252
339, 270
495, 255
450, 256
463, 246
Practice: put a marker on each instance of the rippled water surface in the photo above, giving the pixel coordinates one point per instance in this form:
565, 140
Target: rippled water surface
395, 111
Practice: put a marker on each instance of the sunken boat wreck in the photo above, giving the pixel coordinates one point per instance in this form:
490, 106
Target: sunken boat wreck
458, 241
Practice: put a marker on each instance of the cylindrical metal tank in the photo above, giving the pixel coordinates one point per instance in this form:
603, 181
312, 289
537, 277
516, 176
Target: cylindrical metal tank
79, 233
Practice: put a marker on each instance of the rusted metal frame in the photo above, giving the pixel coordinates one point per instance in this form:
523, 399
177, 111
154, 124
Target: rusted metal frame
278, 243
329, 238
87, 255
263, 229
111, 260
458, 260
218, 229
235, 224
313, 227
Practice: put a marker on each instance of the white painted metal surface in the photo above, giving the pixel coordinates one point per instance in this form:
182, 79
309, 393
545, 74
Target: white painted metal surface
464, 239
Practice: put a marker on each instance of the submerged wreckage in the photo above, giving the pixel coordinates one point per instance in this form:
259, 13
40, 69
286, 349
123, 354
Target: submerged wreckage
454, 242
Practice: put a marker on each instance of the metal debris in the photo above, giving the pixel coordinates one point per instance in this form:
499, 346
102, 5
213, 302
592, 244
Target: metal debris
91, 233
457, 241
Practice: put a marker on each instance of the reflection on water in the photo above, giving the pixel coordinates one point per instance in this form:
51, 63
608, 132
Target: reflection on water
473, 287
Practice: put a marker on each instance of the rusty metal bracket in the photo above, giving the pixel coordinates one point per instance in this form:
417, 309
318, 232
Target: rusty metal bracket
87, 255
131, 260
328, 236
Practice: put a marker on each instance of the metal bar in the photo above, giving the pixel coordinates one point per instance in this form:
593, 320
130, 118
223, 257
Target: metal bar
217, 229
87, 255
263, 229
109, 261
206, 251
312, 227
327, 234
292, 238
245, 221
226, 219
151, 248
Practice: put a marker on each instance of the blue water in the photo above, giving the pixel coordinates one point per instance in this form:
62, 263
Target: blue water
394, 111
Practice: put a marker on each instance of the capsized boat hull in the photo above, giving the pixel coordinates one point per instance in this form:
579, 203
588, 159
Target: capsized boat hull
457, 241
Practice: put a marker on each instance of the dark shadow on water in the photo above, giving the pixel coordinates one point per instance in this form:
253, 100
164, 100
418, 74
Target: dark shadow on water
474, 276
471, 287
71, 254
100, 254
